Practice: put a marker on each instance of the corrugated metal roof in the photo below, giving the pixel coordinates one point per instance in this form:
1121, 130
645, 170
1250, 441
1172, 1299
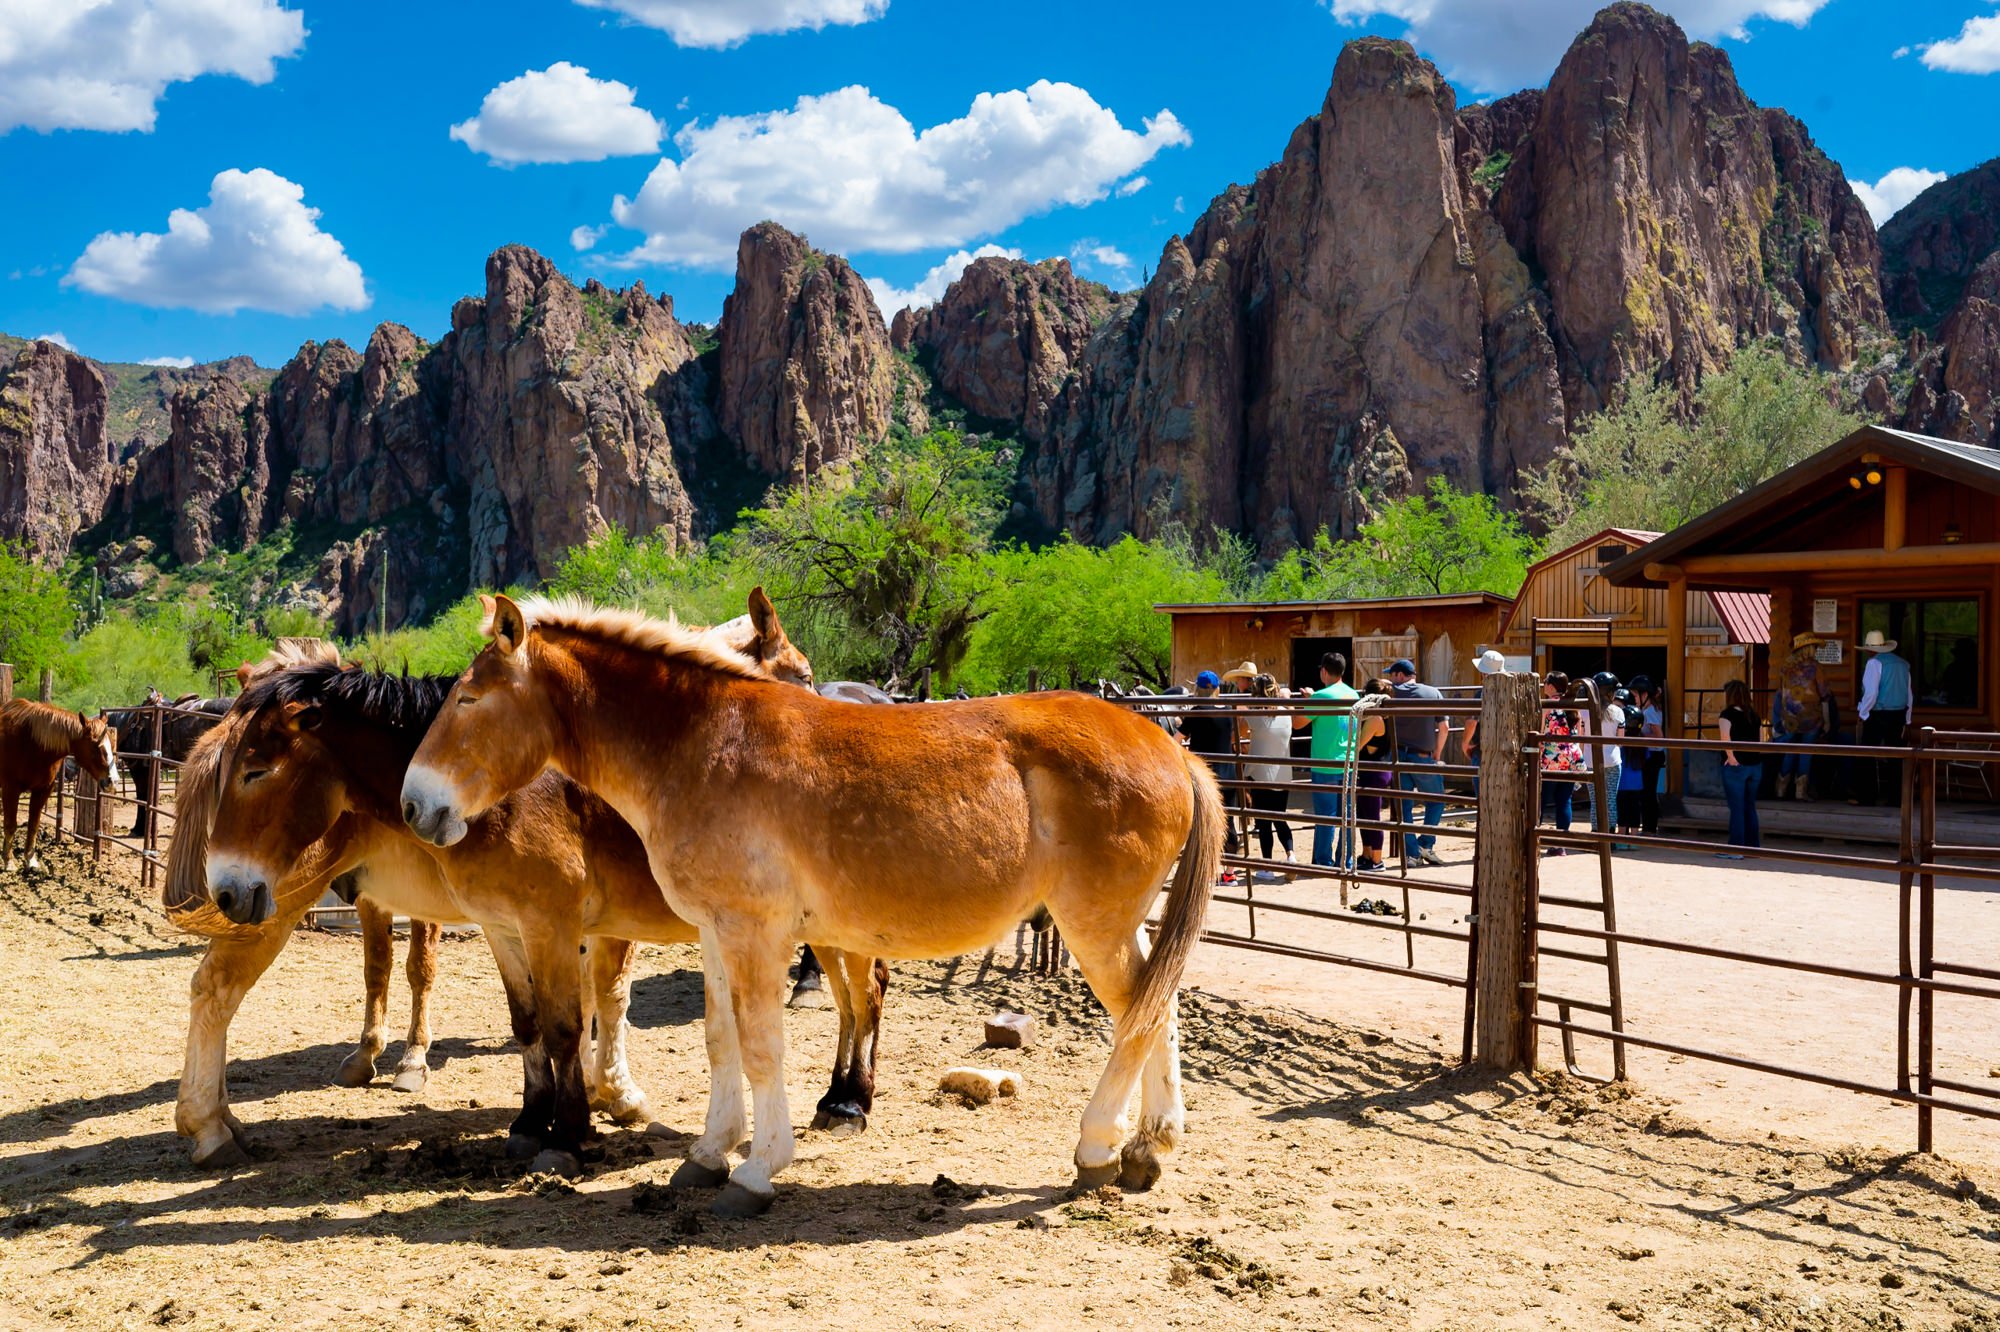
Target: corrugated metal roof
1448, 599
1747, 615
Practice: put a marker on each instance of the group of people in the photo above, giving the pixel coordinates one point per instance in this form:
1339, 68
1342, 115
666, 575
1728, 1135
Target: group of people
1257, 748
1263, 741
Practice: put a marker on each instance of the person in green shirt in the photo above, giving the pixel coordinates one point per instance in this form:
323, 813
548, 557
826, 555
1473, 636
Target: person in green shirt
1332, 739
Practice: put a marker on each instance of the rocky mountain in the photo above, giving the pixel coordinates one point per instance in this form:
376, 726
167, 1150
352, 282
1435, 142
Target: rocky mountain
1414, 289
547, 413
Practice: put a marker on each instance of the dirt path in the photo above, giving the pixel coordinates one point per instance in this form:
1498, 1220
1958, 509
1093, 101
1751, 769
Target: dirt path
1333, 1176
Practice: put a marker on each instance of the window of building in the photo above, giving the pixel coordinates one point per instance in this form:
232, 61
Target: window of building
1940, 640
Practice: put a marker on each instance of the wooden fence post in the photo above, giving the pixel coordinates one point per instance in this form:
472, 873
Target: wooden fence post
6, 682
1034, 680
1504, 873
48, 694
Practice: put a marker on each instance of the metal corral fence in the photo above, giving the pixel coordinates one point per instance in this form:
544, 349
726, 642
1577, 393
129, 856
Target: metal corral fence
148, 772
1538, 924
1396, 822
1921, 975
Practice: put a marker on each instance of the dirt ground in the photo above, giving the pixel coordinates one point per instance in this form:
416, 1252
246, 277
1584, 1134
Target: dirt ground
1335, 1174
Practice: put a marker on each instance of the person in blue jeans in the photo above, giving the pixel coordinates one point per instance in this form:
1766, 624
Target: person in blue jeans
1332, 739
1419, 740
1741, 773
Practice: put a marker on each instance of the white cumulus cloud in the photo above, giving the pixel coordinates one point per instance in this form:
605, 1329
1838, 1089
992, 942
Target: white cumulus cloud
56, 338
1133, 186
1976, 49
254, 246
170, 362
1886, 197
1499, 48
103, 64
1089, 253
855, 175
720, 23
930, 287
584, 238
559, 114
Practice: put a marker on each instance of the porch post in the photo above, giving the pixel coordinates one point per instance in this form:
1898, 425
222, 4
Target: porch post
1677, 632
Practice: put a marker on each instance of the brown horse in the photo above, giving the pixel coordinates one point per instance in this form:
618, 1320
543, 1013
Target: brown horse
311, 771
773, 814
35, 738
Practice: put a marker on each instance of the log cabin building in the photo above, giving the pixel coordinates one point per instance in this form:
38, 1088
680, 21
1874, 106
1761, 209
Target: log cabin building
1441, 634
1569, 617
1886, 531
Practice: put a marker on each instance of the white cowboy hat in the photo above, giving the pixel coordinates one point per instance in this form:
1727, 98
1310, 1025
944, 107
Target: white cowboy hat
1874, 642
1490, 662
1247, 671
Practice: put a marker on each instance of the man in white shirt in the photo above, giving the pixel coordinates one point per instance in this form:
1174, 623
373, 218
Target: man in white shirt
1888, 706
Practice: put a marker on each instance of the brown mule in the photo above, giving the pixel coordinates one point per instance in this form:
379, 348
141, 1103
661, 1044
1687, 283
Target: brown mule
310, 769
35, 738
920, 831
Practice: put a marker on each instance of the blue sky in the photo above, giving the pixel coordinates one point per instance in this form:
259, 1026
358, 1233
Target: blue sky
1163, 107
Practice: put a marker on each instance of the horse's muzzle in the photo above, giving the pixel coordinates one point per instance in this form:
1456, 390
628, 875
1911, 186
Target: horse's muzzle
431, 812
247, 903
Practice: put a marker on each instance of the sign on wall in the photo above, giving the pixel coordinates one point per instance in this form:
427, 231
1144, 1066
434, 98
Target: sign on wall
1826, 616
1829, 653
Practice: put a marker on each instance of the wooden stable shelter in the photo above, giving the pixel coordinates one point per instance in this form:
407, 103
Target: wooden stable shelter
1570, 617
1441, 634
1885, 531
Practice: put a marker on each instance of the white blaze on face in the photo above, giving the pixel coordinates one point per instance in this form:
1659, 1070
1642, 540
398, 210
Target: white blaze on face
108, 746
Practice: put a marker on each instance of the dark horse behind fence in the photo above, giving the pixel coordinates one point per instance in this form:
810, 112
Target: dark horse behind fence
182, 722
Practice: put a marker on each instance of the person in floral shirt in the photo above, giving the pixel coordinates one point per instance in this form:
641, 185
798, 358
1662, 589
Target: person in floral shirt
1562, 757
1799, 710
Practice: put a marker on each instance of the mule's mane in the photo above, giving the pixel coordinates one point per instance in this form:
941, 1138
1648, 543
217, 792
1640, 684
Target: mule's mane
47, 724
625, 628
405, 702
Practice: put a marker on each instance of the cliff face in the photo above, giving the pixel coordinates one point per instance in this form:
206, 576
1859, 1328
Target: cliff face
56, 465
806, 368
1006, 336
1672, 219
1941, 272
1415, 291
1351, 322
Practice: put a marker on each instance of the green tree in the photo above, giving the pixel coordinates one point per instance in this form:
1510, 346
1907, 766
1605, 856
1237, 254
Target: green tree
1645, 463
114, 664
1436, 542
700, 584
1079, 611
886, 570
35, 614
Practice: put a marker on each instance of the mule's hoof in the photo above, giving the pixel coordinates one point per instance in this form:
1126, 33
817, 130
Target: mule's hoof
1138, 1172
808, 996
738, 1203
628, 1109
692, 1174
520, 1146
842, 1120
411, 1079
553, 1162
655, 1129
354, 1071
224, 1155
1091, 1178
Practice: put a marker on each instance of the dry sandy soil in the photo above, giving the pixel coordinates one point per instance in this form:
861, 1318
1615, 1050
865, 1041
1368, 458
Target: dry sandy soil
1336, 1173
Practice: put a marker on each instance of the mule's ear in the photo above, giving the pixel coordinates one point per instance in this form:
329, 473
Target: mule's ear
506, 626
764, 618
243, 674
302, 716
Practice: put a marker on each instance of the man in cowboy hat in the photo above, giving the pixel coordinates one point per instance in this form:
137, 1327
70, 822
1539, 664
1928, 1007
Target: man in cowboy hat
1888, 704
1800, 713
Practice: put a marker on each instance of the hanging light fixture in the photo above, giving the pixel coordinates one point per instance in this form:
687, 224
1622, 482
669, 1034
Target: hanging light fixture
1952, 534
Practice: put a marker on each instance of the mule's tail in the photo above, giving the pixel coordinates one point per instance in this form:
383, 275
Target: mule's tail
1187, 908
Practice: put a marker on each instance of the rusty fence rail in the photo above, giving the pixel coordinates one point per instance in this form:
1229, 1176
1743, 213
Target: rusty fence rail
1920, 860
93, 805
1460, 801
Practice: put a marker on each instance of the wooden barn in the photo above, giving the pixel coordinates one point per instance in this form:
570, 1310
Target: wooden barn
1571, 617
1884, 531
1441, 634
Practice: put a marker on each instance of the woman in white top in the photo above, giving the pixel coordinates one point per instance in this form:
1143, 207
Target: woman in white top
1268, 735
